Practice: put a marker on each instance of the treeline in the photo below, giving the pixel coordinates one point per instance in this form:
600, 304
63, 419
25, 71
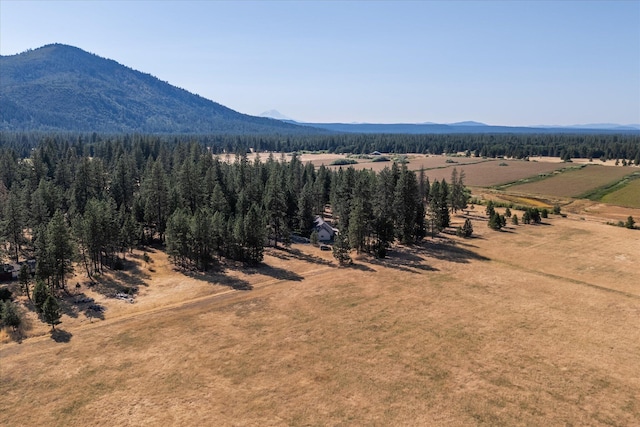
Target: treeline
69, 201
591, 146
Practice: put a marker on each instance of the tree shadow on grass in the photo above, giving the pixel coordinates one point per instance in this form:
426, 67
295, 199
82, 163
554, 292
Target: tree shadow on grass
448, 250
274, 272
217, 277
127, 280
404, 259
61, 336
405, 266
289, 253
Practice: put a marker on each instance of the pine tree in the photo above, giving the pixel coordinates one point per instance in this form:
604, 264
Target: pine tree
305, 210
341, 249
51, 312
255, 234
12, 226
178, 237
40, 294
201, 238
630, 223
25, 279
275, 205
156, 195
60, 249
10, 316
467, 228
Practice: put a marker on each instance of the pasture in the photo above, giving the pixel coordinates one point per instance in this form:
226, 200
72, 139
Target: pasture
628, 196
574, 182
535, 325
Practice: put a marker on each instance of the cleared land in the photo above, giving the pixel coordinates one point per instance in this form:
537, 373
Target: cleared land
574, 183
628, 196
479, 172
537, 325
491, 173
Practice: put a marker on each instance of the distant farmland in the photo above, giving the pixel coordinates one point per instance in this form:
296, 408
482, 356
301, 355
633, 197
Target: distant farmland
478, 172
574, 183
628, 196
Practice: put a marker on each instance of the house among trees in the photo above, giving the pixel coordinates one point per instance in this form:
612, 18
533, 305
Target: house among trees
325, 231
376, 153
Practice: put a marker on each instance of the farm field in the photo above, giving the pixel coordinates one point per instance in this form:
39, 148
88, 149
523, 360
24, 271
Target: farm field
530, 326
478, 172
628, 196
573, 183
489, 173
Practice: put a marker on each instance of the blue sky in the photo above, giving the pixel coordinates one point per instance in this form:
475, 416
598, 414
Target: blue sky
503, 63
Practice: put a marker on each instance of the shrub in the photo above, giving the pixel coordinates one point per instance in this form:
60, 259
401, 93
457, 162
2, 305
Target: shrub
5, 294
380, 159
341, 162
314, 238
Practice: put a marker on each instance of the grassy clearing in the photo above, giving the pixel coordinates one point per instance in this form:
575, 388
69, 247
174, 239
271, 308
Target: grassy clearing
529, 326
574, 182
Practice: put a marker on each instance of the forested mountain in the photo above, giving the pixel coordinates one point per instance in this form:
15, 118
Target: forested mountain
59, 87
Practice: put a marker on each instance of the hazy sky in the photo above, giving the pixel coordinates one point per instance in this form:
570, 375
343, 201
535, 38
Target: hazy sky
503, 63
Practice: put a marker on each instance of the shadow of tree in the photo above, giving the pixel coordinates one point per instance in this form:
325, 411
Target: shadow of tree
127, 280
219, 278
288, 253
448, 250
61, 336
274, 272
402, 258
361, 267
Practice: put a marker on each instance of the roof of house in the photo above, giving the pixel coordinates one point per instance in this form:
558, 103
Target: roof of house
321, 223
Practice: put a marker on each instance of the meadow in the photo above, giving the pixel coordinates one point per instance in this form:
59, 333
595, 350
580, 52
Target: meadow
529, 326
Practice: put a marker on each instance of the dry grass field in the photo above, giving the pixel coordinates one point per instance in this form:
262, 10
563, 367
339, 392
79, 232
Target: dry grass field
535, 325
490, 173
573, 183
478, 172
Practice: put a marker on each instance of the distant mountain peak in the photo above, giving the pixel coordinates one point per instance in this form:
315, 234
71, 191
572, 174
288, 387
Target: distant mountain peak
468, 123
275, 114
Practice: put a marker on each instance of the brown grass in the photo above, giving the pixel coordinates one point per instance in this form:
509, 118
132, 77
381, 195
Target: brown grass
537, 325
575, 182
479, 172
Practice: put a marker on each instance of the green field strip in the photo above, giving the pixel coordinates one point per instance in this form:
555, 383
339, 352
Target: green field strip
597, 194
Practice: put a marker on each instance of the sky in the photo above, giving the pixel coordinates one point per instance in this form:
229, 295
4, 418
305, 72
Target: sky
513, 63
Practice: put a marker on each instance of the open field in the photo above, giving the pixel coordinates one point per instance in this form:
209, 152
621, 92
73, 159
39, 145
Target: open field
536, 325
491, 173
478, 172
628, 196
574, 183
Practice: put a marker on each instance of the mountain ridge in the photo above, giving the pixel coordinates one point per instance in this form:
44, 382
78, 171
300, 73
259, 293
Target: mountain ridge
61, 87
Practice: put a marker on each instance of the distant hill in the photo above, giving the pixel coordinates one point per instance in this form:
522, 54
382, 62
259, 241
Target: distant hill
60, 87
464, 127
